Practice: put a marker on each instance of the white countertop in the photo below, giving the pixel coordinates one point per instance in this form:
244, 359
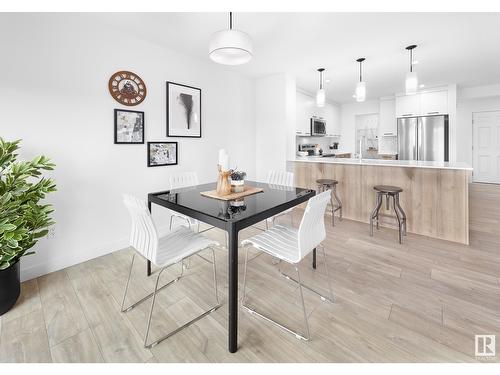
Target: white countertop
385, 163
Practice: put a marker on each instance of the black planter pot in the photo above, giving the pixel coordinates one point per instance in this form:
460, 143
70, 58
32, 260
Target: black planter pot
10, 287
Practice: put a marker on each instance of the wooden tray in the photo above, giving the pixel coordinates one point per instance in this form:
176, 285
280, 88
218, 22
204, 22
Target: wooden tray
249, 190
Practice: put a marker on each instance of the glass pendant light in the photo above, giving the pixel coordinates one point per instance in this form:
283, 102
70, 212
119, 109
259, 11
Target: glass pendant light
320, 94
361, 86
230, 47
411, 83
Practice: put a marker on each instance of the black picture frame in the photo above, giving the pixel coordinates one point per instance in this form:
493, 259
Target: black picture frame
149, 162
170, 126
118, 142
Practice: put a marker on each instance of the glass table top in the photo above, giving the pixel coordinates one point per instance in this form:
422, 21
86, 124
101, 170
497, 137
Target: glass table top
235, 210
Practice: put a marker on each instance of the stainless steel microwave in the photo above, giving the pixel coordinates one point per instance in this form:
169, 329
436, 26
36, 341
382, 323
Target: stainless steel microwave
318, 126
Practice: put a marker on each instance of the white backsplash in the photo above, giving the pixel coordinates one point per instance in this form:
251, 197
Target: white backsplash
323, 142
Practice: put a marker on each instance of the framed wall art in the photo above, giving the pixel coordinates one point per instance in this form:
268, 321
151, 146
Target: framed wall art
183, 111
162, 153
129, 127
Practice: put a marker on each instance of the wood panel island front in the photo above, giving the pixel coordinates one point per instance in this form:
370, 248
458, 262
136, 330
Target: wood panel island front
435, 195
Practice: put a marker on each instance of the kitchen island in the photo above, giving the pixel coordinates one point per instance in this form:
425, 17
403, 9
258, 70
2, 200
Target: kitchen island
435, 194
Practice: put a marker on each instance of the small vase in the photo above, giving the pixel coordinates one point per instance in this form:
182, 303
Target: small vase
237, 186
223, 185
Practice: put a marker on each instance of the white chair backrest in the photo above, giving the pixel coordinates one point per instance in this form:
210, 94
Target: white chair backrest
312, 227
280, 178
144, 236
184, 179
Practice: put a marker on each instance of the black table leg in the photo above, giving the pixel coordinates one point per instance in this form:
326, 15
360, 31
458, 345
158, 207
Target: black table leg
233, 288
149, 262
314, 258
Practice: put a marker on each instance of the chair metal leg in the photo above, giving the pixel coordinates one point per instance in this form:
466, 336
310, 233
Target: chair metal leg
185, 325
243, 298
215, 278
152, 307
398, 217
308, 334
403, 214
375, 213
128, 281
333, 207
255, 312
127, 309
323, 298
156, 290
339, 202
327, 276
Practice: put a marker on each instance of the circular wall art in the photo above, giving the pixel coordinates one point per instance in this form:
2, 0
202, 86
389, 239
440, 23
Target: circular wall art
127, 88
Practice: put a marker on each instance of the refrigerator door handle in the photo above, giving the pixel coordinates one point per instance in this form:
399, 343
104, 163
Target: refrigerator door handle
419, 140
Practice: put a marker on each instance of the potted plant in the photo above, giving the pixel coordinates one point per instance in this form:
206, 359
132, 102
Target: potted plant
238, 181
23, 219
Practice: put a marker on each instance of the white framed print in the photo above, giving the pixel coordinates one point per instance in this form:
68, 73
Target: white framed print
183, 111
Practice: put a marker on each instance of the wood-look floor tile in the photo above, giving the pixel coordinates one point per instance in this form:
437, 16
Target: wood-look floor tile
80, 348
24, 339
62, 311
28, 301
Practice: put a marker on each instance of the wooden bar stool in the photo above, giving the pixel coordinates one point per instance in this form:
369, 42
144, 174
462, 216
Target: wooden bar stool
325, 184
389, 192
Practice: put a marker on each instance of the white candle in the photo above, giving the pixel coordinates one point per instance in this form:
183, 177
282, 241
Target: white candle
222, 152
225, 162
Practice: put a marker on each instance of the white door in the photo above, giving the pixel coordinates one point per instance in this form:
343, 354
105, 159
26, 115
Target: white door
486, 146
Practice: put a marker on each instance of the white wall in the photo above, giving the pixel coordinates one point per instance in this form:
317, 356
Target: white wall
55, 71
348, 122
274, 121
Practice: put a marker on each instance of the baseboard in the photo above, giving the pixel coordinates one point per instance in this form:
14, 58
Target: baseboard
64, 261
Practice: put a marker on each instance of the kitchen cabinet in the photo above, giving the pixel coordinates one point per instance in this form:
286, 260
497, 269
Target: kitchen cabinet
306, 108
387, 119
408, 105
304, 105
422, 104
434, 103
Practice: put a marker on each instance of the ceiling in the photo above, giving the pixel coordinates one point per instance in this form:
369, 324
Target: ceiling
457, 48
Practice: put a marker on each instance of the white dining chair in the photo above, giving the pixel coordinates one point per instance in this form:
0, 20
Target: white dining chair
292, 245
280, 180
179, 181
165, 251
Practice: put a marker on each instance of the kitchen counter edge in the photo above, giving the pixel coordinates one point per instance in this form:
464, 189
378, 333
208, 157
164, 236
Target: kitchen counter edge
386, 163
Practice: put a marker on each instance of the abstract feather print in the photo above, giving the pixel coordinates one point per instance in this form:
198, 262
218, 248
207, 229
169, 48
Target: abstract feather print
187, 102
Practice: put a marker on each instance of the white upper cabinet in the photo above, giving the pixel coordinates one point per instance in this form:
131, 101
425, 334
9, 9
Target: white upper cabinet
306, 108
387, 118
434, 103
408, 105
331, 114
422, 104
304, 113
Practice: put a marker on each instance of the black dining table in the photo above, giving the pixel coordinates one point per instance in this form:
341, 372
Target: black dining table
231, 216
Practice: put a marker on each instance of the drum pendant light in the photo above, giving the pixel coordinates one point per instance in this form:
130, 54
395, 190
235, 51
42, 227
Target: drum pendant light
320, 94
230, 46
411, 83
361, 85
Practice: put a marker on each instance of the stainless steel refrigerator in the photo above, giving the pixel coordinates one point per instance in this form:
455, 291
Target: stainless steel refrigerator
423, 138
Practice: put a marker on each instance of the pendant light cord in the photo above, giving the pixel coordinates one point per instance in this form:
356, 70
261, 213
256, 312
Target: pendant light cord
411, 60
320, 80
230, 20
360, 75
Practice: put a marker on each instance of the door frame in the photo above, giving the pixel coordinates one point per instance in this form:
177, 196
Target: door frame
472, 138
